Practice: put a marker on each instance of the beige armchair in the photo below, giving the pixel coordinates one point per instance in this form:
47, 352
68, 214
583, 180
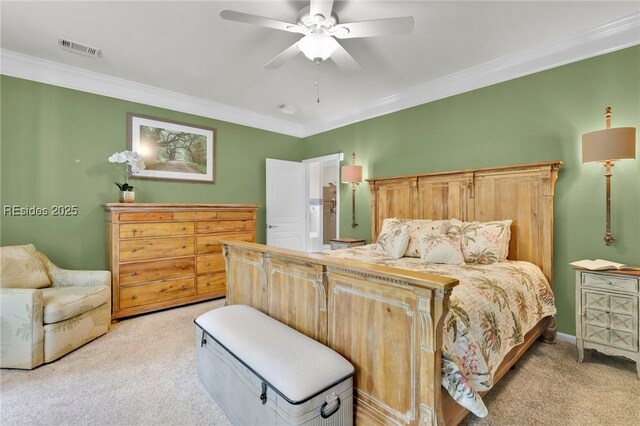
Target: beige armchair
45, 311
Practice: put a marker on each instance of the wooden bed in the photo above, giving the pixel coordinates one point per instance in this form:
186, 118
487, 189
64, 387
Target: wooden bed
388, 321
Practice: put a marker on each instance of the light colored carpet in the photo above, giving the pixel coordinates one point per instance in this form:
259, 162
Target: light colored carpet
143, 372
548, 387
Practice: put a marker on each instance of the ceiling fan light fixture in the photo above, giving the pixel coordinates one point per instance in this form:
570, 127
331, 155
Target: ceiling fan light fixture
317, 47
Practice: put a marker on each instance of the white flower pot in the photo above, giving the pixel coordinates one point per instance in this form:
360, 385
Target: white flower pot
127, 196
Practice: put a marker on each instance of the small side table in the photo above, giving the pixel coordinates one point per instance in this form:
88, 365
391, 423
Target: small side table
343, 243
607, 313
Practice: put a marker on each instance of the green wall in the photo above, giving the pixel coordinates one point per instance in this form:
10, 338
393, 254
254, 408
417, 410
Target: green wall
47, 129
540, 117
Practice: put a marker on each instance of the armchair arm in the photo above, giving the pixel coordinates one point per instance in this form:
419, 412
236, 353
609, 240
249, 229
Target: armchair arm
70, 278
22, 342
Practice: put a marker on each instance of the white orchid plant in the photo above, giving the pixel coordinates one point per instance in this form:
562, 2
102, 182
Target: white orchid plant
135, 162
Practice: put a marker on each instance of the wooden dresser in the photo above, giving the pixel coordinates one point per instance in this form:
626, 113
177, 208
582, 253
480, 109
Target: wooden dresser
165, 255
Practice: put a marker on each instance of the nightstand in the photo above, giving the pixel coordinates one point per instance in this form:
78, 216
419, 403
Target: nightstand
343, 243
607, 313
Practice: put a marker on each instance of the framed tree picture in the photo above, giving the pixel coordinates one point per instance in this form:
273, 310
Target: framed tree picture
172, 150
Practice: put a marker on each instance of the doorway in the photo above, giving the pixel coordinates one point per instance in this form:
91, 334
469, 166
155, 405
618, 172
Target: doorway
323, 201
303, 202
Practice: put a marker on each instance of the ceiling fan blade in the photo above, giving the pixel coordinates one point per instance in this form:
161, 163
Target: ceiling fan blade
289, 53
377, 27
344, 60
321, 7
231, 15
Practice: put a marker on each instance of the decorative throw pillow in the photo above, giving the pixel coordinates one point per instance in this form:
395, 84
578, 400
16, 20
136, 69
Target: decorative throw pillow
483, 242
22, 268
418, 229
393, 238
442, 248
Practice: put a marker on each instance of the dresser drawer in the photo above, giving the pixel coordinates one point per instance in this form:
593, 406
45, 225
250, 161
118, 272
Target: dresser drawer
210, 243
195, 215
145, 216
157, 248
156, 292
210, 263
610, 282
212, 283
142, 230
235, 215
215, 226
139, 272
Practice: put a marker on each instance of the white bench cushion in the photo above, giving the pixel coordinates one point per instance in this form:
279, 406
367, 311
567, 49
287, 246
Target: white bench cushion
294, 364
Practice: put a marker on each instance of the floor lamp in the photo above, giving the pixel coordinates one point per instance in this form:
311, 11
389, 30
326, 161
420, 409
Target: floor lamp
606, 146
352, 174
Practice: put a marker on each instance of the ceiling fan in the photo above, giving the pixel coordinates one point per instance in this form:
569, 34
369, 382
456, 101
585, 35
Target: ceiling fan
321, 27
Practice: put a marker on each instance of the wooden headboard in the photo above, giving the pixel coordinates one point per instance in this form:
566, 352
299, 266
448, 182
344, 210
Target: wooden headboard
523, 193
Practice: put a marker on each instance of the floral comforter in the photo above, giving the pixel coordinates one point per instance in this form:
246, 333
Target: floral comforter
490, 311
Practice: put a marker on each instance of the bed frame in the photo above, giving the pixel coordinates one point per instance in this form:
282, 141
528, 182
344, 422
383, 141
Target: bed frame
388, 321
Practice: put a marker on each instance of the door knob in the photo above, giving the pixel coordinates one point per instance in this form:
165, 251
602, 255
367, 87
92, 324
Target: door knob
271, 226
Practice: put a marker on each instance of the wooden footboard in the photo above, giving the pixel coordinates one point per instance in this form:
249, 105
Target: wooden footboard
386, 321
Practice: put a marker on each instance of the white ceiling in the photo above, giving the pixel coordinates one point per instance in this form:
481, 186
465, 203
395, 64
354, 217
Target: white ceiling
185, 47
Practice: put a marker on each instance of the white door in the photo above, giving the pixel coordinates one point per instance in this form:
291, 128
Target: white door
286, 204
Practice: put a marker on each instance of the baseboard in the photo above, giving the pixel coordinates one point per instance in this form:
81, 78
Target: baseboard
567, 338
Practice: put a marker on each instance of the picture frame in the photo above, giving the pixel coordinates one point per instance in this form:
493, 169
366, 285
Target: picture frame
172, 150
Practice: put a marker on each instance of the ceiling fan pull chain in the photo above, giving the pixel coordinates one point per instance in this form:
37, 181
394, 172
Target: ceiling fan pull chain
318, 81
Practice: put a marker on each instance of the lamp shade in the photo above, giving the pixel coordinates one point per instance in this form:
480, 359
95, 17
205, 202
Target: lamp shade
317, 46
351, 174
609, 144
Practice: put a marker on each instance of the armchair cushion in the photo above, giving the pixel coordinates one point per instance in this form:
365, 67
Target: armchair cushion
22, 268
61, 303
65, 336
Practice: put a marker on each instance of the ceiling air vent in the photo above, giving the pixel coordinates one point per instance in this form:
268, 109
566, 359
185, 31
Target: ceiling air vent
76, 47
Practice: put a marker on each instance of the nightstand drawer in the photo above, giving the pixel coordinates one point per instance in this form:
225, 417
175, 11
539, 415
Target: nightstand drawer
610, 319
345, 243
610, 282
339, 246
614, 338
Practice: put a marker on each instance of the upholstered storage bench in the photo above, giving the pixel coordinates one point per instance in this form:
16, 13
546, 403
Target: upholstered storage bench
261, 372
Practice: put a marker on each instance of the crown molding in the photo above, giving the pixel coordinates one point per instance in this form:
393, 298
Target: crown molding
600, 40
31, 68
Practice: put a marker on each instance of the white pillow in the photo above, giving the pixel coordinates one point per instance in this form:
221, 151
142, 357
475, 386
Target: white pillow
483, 242
393, 238
418, 229
441, 248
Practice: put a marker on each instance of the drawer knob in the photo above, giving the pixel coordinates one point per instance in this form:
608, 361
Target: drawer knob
184, 246
608, 312
609, 282
183, 288
608, 327
134, 274
184, 228
184, 267
134, 250
208, 263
